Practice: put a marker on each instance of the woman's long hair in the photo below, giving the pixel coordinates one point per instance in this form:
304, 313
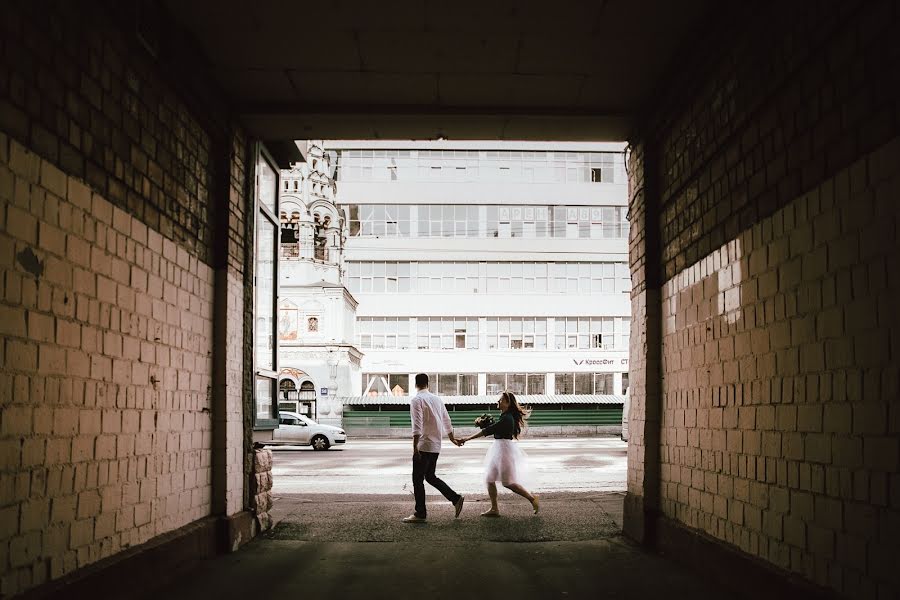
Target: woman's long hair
519, 414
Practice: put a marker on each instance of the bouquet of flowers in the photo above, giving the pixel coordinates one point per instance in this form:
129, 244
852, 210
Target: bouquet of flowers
484, 420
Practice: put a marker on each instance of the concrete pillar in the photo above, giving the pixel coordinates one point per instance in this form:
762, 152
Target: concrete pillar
642, 498
229, 472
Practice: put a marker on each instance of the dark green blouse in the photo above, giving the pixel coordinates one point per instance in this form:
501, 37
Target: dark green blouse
503, 429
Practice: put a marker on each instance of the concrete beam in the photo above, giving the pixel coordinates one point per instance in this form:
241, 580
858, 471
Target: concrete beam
413, 123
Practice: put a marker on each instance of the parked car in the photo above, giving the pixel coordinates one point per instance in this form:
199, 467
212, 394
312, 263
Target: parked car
295, 429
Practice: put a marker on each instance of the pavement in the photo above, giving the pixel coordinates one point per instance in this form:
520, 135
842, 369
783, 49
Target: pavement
383, 466
345, 546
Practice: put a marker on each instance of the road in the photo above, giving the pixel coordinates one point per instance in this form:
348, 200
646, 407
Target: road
383, 466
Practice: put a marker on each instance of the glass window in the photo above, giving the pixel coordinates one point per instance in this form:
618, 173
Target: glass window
536, 382
265, 292
376, 384
565, 383
468, 384
399, 384
603, 383
584, 383
265, 393
447, 384
496, 383
268, 184
515, 382
500, 277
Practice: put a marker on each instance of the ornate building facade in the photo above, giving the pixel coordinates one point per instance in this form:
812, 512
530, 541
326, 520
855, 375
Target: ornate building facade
316, 314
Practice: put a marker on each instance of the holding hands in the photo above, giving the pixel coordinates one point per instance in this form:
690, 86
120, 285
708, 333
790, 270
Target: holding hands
481, 422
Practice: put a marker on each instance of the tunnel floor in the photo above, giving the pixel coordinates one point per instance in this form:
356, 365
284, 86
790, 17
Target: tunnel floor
354, 546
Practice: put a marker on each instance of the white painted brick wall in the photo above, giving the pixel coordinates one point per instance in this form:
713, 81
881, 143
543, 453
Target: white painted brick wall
781, 433
106, 362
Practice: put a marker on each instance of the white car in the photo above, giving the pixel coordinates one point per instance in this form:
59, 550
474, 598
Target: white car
297, 430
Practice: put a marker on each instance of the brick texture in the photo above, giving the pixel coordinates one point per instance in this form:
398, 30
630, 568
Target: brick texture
809, 440
75, 90
107, 173
778, 195
109, 445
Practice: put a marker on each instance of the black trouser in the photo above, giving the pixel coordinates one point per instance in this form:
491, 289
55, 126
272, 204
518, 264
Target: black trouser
423, 470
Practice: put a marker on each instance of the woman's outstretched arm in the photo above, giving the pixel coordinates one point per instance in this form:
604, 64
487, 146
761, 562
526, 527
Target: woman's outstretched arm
471, 437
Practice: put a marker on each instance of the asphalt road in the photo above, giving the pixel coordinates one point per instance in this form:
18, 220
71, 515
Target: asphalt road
384, 467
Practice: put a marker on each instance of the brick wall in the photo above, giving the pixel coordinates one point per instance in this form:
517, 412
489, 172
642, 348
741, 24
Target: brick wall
792, 94
778, 251
110, 165
780, 416
105, 428
80, 90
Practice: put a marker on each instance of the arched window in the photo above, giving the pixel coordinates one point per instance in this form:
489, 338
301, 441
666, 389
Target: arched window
319, 239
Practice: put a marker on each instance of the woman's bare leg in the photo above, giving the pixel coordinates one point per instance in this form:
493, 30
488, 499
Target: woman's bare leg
525, 494
492, 492
515, 487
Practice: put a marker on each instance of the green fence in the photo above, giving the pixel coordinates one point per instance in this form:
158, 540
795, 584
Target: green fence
610, 414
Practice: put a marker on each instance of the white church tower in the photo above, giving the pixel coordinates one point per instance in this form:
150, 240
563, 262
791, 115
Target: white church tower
318, 359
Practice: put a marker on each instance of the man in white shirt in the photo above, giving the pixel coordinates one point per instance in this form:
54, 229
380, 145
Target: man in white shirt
430, 421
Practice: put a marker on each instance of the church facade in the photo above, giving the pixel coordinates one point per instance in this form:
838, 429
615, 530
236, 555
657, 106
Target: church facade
318, 361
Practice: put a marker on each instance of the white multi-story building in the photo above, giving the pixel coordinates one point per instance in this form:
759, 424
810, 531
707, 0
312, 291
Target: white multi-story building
489, 265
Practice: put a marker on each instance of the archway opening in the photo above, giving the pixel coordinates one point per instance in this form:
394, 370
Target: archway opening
489, 266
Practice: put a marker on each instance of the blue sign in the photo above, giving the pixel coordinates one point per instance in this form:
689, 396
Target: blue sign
323, 391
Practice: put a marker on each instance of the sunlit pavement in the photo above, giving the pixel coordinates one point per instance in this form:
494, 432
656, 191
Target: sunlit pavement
383, 466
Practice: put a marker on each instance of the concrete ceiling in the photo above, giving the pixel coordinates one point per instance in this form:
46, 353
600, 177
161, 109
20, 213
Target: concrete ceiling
466, 69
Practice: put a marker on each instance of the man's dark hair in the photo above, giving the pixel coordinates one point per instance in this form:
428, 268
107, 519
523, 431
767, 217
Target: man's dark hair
421, 381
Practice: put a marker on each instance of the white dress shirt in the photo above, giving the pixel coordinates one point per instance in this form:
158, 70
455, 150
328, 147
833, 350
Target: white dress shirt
430, 420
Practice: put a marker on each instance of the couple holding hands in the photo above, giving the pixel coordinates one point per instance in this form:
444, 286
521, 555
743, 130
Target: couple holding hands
505, 461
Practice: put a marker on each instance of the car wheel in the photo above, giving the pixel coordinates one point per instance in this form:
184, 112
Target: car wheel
320, 442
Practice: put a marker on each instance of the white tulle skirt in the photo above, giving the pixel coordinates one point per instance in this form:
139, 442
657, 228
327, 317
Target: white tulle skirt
506, 462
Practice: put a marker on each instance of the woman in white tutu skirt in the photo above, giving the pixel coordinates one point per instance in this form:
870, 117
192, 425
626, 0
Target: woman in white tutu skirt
505, 461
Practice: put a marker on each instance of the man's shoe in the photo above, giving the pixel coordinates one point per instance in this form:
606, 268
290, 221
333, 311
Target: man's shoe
458, 505
491, 513
414, 519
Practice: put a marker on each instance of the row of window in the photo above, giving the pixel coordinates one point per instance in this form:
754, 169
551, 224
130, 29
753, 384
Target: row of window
497, 155
488, 277
501, 333
480, 165
466, 384
487, 221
